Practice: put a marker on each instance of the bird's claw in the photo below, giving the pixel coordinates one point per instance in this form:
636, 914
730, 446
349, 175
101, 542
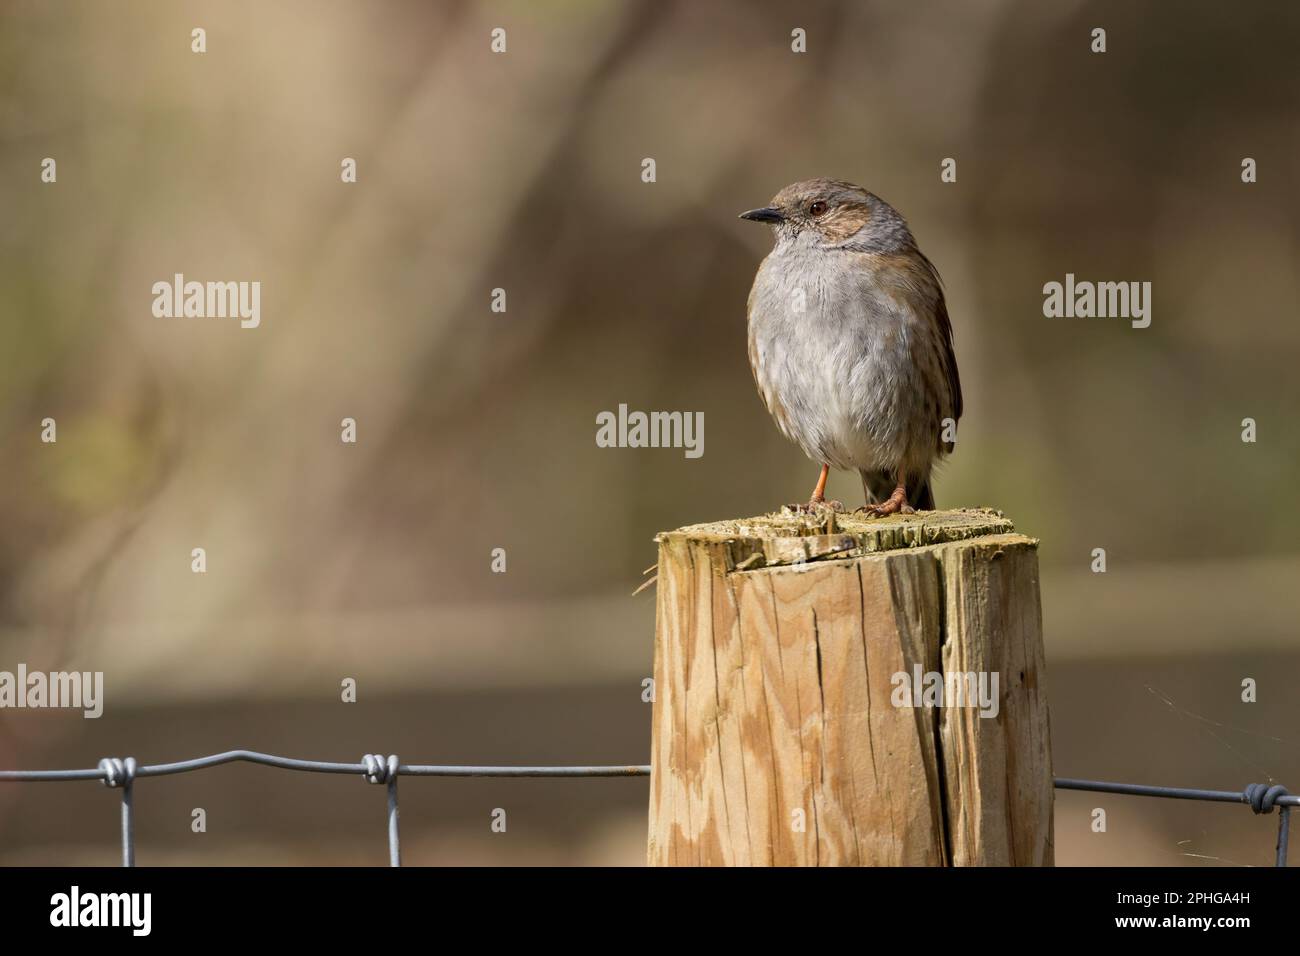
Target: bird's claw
888, 507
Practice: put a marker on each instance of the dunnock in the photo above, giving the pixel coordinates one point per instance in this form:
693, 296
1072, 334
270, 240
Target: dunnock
850, 342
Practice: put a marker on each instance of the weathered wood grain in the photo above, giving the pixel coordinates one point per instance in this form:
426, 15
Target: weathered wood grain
776, 739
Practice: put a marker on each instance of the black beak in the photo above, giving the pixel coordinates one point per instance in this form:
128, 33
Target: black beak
766, 214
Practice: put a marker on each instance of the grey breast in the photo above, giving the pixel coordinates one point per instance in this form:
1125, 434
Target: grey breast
835, 375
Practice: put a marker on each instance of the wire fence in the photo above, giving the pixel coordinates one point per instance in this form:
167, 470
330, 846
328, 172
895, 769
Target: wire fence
121, 774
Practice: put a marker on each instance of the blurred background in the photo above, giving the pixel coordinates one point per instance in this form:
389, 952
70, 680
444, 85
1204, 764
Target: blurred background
476, 429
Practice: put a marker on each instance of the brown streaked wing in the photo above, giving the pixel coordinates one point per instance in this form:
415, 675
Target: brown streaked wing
945, 337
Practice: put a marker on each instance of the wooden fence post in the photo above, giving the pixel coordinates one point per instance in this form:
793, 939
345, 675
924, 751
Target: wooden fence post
797, 662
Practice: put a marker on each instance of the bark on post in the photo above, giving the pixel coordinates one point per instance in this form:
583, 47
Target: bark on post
778, 736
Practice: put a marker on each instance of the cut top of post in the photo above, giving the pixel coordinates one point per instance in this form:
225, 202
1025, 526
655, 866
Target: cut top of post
785, 537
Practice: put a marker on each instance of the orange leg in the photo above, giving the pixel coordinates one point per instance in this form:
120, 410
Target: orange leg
818, 499
897, 502
819, 493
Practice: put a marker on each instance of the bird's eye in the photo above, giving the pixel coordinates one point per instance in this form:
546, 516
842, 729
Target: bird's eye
817, 208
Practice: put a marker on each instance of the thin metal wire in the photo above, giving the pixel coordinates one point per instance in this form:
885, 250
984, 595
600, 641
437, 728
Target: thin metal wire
1174, 793
381, 770
321, 766
118, 773
128, 825
394, 844
121, 774
1261, 798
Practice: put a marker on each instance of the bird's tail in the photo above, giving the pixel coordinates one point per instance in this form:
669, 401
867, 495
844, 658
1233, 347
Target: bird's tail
879, 485
921, 497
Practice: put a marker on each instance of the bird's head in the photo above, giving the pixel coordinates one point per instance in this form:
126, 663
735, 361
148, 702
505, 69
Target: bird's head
833, 213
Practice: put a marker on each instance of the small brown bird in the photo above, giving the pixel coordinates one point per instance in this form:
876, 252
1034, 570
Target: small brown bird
850, 342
